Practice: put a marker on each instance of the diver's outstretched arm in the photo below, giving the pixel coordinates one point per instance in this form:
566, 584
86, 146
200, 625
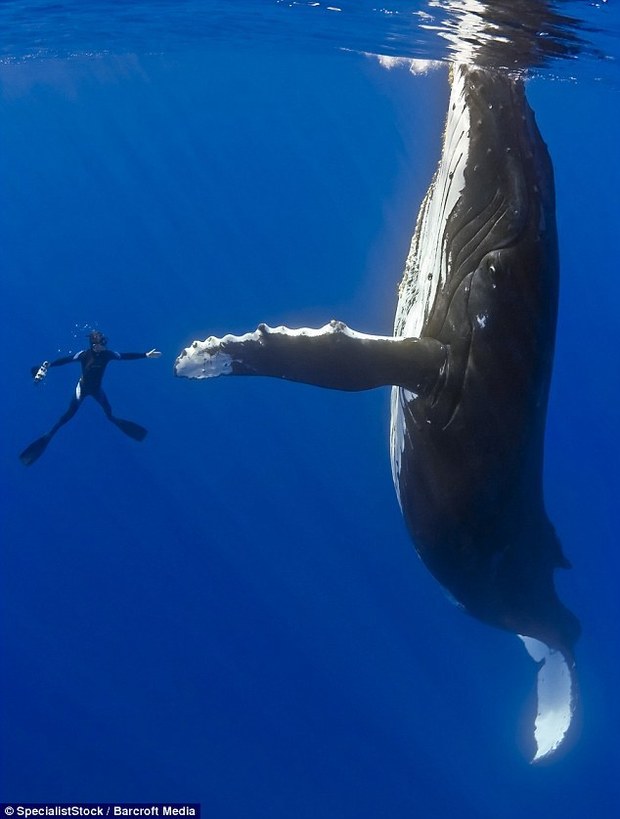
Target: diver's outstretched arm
332, 356
154, 353
66, 359
39, 371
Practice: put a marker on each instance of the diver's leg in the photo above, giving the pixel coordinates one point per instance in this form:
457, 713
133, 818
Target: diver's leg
37, 448
135, 431
102, 399
68, 415
333, 356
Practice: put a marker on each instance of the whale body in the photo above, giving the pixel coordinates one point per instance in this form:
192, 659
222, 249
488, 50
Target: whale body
482, 278
467, 459
469, 363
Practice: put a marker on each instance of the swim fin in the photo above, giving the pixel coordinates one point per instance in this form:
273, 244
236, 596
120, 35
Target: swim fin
35, 450
134, 431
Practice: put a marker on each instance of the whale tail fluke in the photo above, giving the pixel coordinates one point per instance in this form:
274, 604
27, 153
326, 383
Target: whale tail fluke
557, 697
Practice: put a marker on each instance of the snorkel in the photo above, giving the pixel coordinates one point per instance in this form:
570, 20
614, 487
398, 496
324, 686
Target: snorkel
97, 341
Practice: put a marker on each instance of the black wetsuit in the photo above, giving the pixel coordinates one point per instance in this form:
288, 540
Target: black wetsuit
93, 365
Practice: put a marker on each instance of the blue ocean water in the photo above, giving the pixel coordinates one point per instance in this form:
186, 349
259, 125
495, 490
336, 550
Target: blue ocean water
231, 612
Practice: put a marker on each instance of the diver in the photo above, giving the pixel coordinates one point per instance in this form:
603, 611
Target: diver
93, 361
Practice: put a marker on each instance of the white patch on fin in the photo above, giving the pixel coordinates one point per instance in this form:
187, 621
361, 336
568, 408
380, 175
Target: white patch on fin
556, 697
203, 360
397, 437
428, 265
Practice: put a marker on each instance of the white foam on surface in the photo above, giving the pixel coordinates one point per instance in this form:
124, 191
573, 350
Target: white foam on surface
473, 29
417, 67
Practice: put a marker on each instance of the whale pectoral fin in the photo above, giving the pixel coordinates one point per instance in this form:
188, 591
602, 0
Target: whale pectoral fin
556, 697
333, 356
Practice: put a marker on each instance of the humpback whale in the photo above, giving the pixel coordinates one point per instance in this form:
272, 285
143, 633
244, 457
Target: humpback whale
469, 363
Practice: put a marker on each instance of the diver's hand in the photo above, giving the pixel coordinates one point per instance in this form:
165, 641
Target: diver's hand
153, 354
40, 372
